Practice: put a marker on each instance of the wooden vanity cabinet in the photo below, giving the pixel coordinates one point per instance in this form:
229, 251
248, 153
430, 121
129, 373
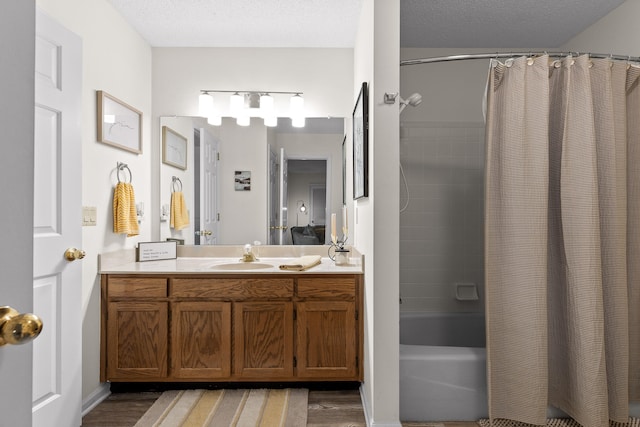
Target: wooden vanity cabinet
136, 329
327, 332
231, 328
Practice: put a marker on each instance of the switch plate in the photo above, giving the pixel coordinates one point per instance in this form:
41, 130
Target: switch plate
89, 215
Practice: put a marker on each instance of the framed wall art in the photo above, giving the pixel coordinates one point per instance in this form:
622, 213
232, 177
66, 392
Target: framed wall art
360, 145
174, 148
119, 124
242, 180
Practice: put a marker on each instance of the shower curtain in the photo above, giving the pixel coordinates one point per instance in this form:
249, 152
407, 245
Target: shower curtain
562, 239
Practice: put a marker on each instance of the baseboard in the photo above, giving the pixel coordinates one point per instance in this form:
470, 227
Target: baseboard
367, 412
98, 395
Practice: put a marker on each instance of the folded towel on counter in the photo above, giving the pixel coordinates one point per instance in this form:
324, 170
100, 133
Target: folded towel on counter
179, 213
125, 216
302, 263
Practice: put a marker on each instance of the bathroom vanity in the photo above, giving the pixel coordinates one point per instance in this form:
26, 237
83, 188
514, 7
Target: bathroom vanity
190, 320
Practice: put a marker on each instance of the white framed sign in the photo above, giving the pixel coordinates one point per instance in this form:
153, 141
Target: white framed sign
154, 251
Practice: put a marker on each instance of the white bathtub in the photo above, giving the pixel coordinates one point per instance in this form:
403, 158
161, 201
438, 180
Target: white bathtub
442, 367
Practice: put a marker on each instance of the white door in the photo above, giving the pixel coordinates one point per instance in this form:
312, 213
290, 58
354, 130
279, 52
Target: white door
273, 197
208, 188
16, 172
282, 190
57, 292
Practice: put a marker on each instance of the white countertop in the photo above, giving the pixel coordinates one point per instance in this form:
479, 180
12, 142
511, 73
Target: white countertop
123, 262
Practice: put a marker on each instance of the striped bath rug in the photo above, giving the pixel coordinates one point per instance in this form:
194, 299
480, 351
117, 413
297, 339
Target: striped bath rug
554, 422
218, 408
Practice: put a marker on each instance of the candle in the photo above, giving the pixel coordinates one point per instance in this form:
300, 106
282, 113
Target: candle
333, 229
345, 225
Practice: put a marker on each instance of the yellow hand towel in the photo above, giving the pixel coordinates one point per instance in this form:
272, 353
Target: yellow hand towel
125, 220
179, 214
302, 263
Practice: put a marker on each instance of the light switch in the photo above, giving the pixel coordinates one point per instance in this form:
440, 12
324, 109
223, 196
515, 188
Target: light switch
89, 215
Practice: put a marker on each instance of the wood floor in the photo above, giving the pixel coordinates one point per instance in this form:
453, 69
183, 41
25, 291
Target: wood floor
335, 408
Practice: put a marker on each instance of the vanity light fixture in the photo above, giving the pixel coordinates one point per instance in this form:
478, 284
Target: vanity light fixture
246, 104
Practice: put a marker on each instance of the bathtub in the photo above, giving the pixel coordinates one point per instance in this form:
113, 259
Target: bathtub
442, 367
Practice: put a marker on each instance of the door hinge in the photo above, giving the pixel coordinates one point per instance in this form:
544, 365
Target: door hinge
217, 155
218, 216
356, 314
295, 315
295, 362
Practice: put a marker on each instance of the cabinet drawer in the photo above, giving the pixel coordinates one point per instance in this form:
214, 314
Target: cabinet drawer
137, 287
329, 287
232, 288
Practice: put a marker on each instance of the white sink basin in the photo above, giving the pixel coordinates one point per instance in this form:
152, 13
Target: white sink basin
242, 266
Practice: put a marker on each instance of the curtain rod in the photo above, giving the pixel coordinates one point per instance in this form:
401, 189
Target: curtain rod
496, 55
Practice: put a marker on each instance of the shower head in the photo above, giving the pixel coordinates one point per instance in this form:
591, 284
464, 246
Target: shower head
414, 100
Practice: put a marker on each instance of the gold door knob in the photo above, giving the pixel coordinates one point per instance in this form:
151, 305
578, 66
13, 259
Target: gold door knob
73, 254
16, 328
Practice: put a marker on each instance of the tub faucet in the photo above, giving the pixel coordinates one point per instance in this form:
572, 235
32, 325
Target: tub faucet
248, 255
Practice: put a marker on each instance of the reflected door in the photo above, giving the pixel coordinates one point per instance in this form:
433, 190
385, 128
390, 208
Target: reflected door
208, 224
273, 196
282, 199
277, 196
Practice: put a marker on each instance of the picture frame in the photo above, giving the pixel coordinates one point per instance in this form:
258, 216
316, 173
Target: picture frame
242, 180
361, 144
119, 124
174, 148
344, 170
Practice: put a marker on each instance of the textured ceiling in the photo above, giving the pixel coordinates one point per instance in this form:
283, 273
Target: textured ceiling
333, 23
497, 23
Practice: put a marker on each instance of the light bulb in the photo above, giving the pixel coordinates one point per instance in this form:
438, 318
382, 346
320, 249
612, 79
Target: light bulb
266, 105
296, 105
243, 120
214, 120
297, 122
236, 102
271, 121
205, 105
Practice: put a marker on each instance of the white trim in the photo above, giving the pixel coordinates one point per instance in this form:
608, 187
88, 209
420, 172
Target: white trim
367, 412
98, 395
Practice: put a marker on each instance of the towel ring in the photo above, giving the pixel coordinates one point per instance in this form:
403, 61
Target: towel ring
174, 180
121, 167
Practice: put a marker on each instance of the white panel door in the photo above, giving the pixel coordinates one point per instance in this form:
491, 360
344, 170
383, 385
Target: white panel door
208, 188
283, 177
57, 292
273, 197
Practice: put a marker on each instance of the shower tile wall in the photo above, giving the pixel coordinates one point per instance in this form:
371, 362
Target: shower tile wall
441, 230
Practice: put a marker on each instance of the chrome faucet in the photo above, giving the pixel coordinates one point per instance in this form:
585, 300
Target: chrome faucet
248, 255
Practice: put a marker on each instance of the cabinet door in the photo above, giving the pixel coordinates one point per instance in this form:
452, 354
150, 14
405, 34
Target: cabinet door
263, 340
137, 340
201, 339
326, 345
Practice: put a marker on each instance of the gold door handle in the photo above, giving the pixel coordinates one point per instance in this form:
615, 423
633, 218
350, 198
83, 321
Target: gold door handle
73, 254
204, 233
16, 328
279, 227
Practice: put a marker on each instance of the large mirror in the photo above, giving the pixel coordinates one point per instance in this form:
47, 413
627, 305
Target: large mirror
242, 184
